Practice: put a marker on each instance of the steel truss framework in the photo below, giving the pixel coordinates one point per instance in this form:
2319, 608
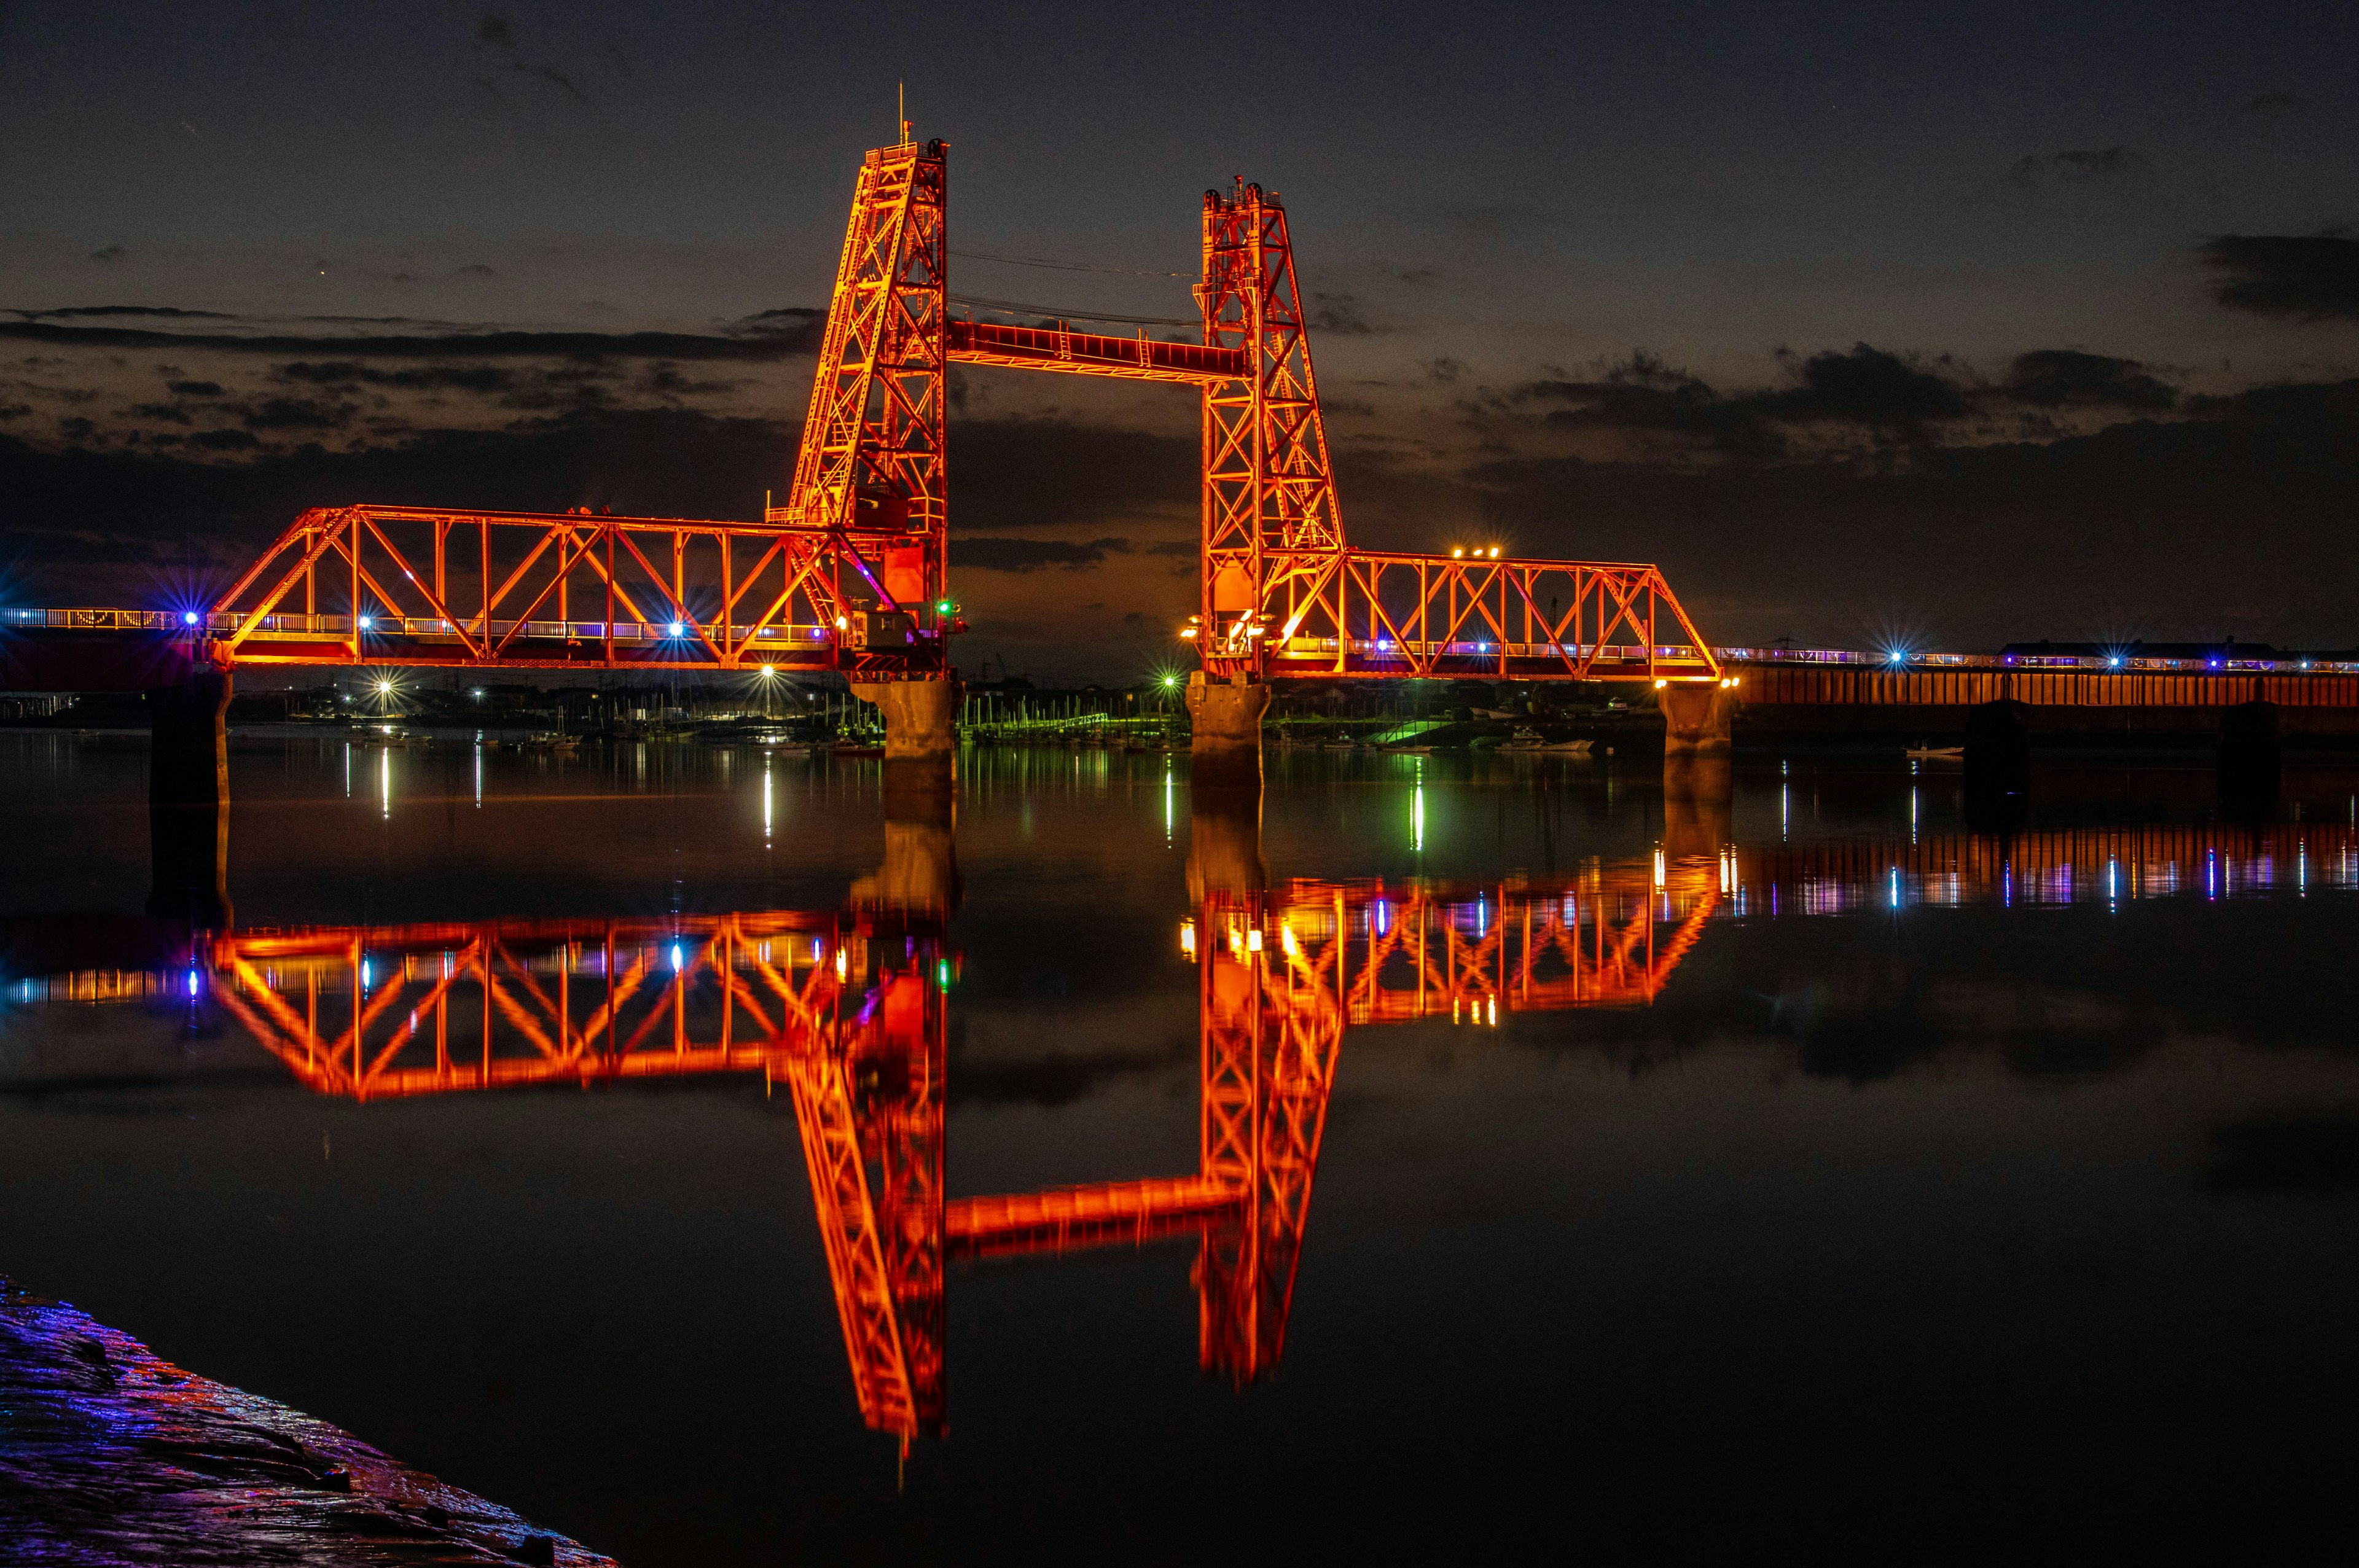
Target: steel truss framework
846, 1012
850, 573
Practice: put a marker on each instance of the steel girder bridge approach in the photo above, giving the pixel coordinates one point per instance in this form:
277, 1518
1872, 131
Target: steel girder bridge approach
850, 575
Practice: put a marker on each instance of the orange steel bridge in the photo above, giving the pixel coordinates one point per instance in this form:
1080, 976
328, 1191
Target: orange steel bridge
850, 573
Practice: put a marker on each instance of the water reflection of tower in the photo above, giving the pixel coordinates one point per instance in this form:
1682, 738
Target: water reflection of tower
846, 1008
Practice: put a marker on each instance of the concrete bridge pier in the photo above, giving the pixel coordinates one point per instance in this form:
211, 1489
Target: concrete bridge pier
1998, 765
1696, 715
1225, 723
2251, 757
920, 734
187, 799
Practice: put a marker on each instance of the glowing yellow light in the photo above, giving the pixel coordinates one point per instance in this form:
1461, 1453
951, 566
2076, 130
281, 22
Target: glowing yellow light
1495, 552
840, 965
840, 624
1456, 551
1253, 941
1661, 684
1286, 940
1188, 938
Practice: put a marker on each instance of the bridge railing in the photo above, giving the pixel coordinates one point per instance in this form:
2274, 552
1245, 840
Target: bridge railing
2099, 662
1299, 649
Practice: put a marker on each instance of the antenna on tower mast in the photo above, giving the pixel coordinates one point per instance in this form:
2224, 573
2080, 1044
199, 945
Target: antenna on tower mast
901, 109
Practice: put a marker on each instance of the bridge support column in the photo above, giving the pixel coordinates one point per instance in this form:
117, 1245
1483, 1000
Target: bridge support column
1696, 716
187, 799
2251, 757
1998, 764
1225, 723
920, 733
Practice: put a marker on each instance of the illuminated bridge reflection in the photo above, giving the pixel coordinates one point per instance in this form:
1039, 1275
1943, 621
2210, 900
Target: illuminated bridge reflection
846, 1008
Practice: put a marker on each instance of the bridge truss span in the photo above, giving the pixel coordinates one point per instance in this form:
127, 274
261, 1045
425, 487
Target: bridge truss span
416, 586
1386, 615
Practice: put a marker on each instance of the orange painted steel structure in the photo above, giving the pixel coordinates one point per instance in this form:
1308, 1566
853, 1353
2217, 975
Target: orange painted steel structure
847, 1011
850, 573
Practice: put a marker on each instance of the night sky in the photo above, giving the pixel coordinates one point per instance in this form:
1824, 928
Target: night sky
1954, 324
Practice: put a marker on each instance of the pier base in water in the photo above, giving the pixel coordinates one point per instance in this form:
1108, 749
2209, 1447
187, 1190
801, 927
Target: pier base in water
2251, 758
188, 758
187, 799
1696, 716
920, 740
1225, 723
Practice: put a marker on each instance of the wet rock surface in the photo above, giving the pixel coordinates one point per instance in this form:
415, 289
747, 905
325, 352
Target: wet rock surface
109, 1454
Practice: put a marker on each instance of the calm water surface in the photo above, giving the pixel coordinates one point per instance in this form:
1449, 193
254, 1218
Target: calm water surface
1794, 1165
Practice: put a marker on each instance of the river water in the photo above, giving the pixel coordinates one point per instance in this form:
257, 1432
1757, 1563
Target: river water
1785, 1161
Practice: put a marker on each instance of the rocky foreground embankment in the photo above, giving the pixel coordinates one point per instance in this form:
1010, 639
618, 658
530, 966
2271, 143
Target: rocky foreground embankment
111, 1455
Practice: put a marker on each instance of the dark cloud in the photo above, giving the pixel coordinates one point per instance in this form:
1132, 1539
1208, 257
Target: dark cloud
498, 34
165, 310
1191, 549
666, 380
194, 388
1445, 370
298, 414
2079, 167
1865, 387
2310, 276
172, 413
753, 345
475, 269
1032, 555
1340, 313
2066, 378
1640, 393
225, 441
484, 378
109, 254
799, 324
